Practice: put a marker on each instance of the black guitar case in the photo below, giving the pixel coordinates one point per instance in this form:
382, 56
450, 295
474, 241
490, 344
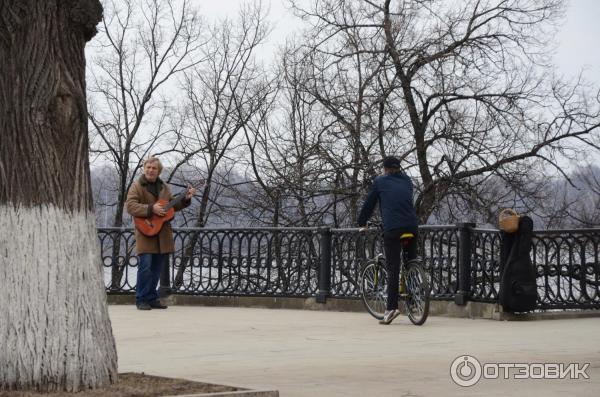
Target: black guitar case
518, 288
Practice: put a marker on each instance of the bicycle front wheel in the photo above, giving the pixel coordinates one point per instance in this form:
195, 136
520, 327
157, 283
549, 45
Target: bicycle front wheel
373, 285
418, 291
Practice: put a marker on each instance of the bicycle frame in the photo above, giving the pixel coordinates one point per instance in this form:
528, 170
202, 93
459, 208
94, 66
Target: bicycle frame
414, 292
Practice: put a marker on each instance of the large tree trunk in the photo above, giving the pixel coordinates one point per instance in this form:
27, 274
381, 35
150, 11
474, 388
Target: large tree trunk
55, 333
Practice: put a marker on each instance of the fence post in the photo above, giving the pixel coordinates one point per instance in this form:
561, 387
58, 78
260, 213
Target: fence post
464, 263
324, 266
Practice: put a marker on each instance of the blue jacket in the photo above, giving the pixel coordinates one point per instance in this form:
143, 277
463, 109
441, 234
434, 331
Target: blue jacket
394, 192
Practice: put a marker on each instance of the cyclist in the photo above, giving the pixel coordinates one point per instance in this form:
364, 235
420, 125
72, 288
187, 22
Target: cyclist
394, 192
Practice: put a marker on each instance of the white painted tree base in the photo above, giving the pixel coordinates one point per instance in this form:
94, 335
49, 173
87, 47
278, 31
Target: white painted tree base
55, 333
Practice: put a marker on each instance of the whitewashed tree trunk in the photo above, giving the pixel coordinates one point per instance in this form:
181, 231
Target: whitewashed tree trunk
55, 333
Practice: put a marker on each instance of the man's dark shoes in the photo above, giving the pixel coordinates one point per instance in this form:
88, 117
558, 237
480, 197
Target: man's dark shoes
143, 306
157, 305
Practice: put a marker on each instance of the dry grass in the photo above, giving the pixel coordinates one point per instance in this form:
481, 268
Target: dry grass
136, 385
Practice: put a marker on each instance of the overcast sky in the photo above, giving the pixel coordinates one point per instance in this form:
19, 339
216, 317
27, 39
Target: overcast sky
577, 42
578, 39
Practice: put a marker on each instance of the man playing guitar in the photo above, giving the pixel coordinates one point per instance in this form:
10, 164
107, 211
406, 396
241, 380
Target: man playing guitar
146, 201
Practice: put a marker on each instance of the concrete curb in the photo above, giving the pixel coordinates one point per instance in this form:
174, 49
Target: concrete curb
549, 315
239, 393
472, 310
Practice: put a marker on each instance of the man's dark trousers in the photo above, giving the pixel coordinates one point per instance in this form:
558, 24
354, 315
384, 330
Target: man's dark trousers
393, 250
148, 276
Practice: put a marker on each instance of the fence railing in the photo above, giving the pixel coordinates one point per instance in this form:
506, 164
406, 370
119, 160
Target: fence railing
462, 260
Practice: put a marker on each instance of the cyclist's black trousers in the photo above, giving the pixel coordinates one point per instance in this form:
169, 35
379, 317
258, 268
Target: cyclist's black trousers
393, 250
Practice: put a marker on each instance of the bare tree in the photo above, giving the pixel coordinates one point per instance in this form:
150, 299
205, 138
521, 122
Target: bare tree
284, 145
474, 82
145, 44
222, 94
574, 203
587, 210
55, 334
346, 82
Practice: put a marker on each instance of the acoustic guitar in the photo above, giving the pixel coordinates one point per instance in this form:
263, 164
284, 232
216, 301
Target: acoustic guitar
151, 226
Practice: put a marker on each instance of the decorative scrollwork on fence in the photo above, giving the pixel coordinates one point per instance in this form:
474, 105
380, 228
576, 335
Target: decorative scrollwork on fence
287, 262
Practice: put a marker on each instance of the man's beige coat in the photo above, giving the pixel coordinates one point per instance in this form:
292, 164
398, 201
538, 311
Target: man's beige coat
139, 204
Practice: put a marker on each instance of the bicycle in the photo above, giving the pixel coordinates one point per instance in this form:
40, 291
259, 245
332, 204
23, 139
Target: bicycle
414, 289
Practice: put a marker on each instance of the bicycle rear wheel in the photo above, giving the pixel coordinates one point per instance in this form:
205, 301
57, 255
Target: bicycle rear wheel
418, 291
373, 288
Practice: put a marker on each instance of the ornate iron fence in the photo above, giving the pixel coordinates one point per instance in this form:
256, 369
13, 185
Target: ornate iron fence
568, 268
278, 262
438, 246
349, 252
485, 265
463, 262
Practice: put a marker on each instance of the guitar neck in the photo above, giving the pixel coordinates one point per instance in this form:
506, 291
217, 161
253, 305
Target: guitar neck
179, 198
174, 202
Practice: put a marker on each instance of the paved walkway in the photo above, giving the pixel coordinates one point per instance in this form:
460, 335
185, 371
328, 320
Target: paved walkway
313, 353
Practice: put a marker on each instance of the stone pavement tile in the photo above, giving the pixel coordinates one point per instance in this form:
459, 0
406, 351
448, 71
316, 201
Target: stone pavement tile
314, 353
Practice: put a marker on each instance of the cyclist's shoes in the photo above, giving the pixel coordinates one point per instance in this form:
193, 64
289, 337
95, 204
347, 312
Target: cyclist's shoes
389, 316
